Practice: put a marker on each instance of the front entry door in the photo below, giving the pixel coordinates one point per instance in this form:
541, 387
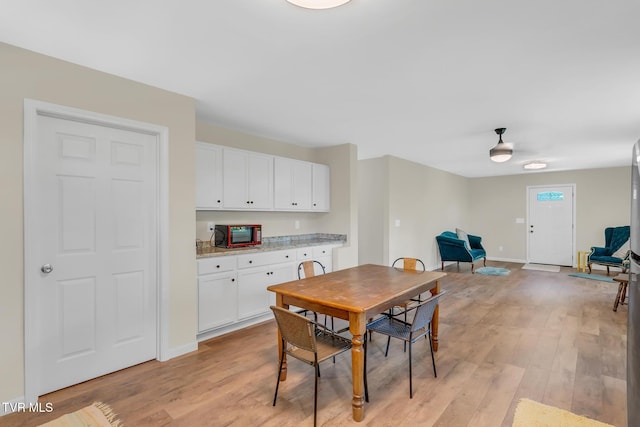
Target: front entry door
95, 210
550, 226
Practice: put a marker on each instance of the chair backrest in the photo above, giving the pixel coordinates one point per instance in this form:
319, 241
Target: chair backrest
295, 329
308, 268
424, 312
615, 237
409, 263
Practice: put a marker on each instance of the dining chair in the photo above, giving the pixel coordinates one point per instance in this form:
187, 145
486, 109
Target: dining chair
407, 332
308, 269
409, 264
309, 342
311, 268
413, 264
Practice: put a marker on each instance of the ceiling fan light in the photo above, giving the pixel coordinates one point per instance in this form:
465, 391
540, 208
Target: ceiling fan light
535, 165
318, 4
500, 153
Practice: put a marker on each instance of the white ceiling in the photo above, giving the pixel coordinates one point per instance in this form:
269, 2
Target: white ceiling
424, 80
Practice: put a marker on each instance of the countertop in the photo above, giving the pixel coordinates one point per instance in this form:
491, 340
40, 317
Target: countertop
275, 244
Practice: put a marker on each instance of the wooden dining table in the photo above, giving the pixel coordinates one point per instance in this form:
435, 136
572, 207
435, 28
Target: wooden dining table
356, 295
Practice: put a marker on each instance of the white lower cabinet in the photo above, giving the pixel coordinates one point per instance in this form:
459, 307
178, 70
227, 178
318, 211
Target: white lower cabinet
253, 297
217, 300
232, 290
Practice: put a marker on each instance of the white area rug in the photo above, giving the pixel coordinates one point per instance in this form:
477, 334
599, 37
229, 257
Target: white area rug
542, 267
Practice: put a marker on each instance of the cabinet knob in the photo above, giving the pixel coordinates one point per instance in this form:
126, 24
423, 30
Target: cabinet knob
217, 266
314, 204
233, 280
218, 201
252, 202
248, 202
250, 262
286, 256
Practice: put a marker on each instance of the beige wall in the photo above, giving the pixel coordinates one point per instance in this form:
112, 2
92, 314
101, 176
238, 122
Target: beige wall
425, 201
373, 223
428, 201
25, 74
342, 161
343, 219
602, 199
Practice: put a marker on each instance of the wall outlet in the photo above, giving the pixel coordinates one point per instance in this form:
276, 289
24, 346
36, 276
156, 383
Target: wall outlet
296, 224
211, 226
500, 248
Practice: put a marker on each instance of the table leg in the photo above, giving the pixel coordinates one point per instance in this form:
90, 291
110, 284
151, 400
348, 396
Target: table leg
358, 328
624, 292
434, 320
283, 371
617, 300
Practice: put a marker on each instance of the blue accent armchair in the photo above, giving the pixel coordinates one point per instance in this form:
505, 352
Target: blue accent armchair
454, 249
614, 238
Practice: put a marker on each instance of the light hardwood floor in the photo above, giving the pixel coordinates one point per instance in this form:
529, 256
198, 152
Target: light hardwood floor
544, 336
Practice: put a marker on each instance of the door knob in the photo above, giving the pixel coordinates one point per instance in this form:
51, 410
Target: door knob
47, 268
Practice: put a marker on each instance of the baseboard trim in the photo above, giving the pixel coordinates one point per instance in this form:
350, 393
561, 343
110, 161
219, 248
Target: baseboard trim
514, 260
179, 351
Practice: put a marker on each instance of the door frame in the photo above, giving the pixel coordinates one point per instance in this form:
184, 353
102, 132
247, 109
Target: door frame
33, 109
573, 231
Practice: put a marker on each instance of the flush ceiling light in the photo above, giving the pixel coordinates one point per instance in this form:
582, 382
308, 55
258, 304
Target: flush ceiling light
318, 4
501, 152
536, 164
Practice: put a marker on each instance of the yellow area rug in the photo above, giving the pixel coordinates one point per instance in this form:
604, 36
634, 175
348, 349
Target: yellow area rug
96, 415
534, 414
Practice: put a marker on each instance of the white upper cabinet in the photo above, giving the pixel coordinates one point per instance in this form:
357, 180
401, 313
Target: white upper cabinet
247, 180
233, 179
292, 184
208, 176
321, 183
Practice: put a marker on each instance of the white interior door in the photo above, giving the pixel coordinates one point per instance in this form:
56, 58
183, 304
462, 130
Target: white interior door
95, 210
550, 226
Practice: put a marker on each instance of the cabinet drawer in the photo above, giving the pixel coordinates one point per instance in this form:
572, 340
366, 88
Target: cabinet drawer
304, 254
266, 258
321, 251
216, 264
